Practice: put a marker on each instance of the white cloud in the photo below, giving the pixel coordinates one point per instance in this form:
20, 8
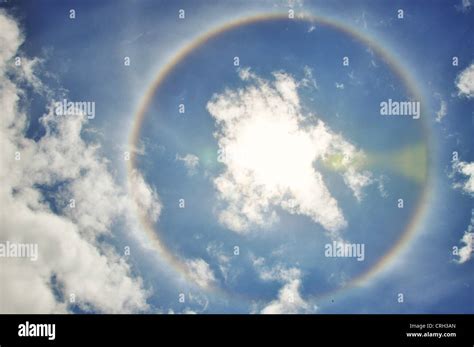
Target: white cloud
361, 20
295, 3
464, 169
11, 39
269, 156
190, 161
289, 299
465, 252
246, 74
189, 311
467, 186
200, 272
308, 80
222, 258
357, 181
353, 79
67, 238
442, 112
199, 301
465, 82
144, 198
277, 273
465, 6
381, 186
339, 85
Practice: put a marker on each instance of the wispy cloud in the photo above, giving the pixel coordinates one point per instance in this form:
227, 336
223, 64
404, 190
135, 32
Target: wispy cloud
464, 6
190, 161
442, 112
308, 80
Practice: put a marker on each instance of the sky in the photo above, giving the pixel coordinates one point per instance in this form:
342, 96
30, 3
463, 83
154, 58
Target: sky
237, 157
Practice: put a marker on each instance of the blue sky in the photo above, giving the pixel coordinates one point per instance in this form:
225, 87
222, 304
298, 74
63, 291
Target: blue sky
282, 201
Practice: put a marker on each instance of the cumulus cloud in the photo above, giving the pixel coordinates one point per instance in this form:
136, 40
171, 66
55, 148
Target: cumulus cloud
289, 299
465, 82
200, 272
190, 161
466, 170
465, 252
269, 152
66, 224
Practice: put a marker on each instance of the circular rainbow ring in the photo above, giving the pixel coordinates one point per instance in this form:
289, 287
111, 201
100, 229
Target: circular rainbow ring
380, 51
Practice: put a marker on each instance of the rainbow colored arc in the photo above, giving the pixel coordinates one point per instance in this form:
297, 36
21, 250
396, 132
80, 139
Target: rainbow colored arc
405, 77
